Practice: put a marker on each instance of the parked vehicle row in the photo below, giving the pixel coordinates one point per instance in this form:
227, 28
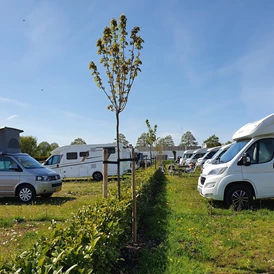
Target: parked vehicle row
246, 170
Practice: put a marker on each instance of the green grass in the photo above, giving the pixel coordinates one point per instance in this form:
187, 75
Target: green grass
184, 232
198, 236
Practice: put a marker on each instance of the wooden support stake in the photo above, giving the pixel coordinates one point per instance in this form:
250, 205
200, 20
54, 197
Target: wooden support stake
134, 209
105, 174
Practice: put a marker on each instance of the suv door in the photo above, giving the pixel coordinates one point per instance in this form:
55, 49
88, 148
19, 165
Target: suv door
8, 177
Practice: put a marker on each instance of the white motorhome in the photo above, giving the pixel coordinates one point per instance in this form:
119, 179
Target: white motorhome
74, 161
216, 157
198, 153
187, 154
246, 169
209, 154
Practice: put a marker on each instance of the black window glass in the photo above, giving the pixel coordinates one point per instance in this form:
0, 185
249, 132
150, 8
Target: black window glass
71, 155
84, 154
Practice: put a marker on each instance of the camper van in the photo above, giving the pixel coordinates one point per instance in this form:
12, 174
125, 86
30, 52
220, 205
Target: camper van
187, 154
198, 153
245, 171
209, 154
75, 161
21, 175
216, 157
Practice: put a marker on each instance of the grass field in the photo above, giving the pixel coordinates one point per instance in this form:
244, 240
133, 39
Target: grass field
186, 233
198, 236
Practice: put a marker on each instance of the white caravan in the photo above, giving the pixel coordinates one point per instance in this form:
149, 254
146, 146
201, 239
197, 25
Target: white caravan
246, 169
74, 161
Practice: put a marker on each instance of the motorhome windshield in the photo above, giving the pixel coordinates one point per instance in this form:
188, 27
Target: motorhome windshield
28, 162
233, 151
187, 155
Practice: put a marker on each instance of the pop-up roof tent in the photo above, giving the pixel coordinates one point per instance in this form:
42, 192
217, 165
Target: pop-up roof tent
10, 140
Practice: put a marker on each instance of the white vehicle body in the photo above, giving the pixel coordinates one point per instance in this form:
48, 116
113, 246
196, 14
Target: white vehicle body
74, 161
246, 169
187, 154
209, 154
198, 153
216, 157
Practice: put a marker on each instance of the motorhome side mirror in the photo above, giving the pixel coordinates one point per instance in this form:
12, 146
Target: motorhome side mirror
245, 160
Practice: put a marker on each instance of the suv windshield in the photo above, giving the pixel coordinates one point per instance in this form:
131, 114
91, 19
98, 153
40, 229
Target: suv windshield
27, 161
233, 151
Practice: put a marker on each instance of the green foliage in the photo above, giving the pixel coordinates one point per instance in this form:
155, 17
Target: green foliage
122, 139
212, 141
142, 140
188, 140
166, 141
28, 145
78, 141
89, 242
121, 60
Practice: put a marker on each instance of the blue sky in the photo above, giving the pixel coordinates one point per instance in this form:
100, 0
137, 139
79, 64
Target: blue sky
208, 67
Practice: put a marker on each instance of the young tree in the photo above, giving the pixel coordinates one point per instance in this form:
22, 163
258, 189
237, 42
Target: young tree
28, 145
188, 139
121, 60
212, 141
122, 139
142, 141
166, 141
151, 136
78, 141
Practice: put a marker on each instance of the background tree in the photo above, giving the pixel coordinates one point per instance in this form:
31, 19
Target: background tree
44, 149
78, 141
212, 141
166, 141
28, 145
121, 61
122, 139
53, 146
188, 140
151, 136
142, 141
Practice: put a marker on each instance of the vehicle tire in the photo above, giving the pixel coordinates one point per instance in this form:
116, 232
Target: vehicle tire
97, 176
239, 197
26, 193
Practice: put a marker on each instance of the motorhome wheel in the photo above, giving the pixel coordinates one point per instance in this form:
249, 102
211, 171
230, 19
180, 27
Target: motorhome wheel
97, 176
26, 193
239, 197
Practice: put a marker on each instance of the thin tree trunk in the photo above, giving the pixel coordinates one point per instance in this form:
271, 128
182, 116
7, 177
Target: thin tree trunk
118, 155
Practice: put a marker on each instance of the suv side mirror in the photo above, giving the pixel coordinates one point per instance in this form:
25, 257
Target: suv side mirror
14, 167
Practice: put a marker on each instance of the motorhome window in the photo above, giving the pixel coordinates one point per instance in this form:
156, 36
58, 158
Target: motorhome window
233, 150
261, 151
84, 154
53, 160
71, 155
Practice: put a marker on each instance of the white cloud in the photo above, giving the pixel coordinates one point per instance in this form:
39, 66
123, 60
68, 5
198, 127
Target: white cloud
12, 101
12, 117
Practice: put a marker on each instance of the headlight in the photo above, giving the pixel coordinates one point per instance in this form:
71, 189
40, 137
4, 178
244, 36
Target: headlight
217, 171
42, 178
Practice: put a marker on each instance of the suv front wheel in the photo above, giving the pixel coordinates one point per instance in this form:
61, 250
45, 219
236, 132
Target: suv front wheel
26, 193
